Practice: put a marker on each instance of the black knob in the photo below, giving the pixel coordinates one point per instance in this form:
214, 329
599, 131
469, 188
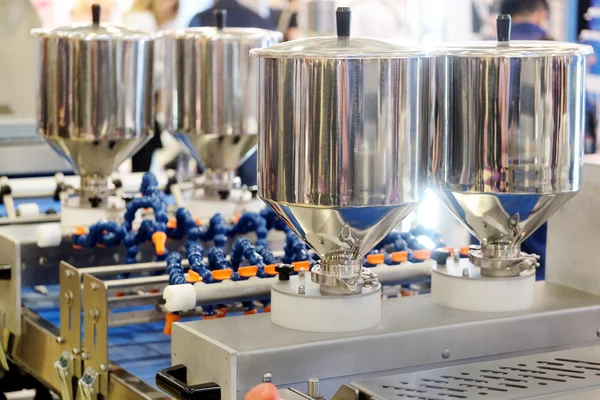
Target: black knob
440, 256
50, 211
220, 19
342, 19
96, 12
285, 271
503, 23
118, 183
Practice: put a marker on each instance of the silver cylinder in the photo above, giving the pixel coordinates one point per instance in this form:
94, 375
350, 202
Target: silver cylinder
211, 89
508, 145
95, 98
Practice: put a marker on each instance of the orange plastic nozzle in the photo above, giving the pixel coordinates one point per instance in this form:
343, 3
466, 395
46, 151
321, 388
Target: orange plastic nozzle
267, 308
100, 245
172, 223
193, 277
450, 249
464, 251
223, 311
154, 291
169, 319
222, 274
399, 256
77, 247
198, 222
422, 255
251, 312
298, 265
159, 239
270, 269
209, 316
120, 294
80, 230
235, 218
264, 391
375, 259
248, 271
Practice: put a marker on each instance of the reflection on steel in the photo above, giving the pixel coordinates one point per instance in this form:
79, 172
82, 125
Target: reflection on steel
508, 142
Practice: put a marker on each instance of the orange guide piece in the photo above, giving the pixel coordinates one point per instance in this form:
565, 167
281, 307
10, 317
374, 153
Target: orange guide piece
172, 224
251, 312
298, 265
270, 269
450, 249
198, 222
169, 319
267, 308
248, 271
159, 239
399, 256
464, 251
375, 259
235, 218
80, 230
422, 254
209, 316
193, 277
222, 274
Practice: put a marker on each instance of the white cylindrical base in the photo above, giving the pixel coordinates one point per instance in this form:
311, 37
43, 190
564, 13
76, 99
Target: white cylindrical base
459, 285
205, 207
72, 216
314, 312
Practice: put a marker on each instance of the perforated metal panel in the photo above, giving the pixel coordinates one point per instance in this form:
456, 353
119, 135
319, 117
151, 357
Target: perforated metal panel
514, 378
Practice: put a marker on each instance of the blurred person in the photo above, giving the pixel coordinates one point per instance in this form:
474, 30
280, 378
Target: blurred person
150, 16
530, 18
283, 19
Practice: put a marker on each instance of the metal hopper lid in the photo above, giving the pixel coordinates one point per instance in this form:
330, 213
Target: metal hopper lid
220, 32
506, 48
93, 31
341, 46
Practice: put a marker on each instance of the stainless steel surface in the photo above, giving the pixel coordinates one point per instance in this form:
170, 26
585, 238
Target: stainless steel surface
313, 388
343, 131
414, 333
70, 314
525, 377
210, 92
508, 143
317, 17
95, 97
573, 235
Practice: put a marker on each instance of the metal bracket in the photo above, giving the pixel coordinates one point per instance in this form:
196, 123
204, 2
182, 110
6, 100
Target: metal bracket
88, 385
70, 314
4, 336
64, 368
95, 336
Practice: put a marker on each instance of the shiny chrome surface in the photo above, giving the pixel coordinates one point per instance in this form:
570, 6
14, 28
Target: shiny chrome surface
317, 17
210, 92
95, 94
342, 139
508, 143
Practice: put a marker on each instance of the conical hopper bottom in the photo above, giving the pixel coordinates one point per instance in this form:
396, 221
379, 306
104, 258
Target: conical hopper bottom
502, 218
217, 152
328, 229
99, 157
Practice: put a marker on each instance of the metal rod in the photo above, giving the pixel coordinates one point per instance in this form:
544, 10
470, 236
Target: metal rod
134, 282
30, 220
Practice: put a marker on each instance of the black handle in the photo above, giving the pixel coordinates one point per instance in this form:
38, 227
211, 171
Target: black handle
173, 381
284, 271
96, 12
503, 23
342, 19
220, 19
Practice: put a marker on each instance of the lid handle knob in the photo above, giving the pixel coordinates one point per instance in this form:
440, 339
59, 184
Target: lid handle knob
220, 19
503, 23
342, 19
96, 11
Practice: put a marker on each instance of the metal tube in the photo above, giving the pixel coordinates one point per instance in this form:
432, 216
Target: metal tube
134, 282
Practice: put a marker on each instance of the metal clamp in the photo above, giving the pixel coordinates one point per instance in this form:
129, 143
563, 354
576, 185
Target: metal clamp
88, 385
504, 266
64, 368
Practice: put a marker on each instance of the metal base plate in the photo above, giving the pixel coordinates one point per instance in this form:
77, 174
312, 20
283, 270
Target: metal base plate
513, 378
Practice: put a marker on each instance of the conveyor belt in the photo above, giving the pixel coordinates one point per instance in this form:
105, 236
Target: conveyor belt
140, 349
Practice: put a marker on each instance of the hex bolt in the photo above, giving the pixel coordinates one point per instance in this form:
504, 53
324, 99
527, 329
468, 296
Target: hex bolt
301, 289
102, 367
60, 340
69, 297
301, 272
94, 314
94, 286
446, 354
267, 378
465, 272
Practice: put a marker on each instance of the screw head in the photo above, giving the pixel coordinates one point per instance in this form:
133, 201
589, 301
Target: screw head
102, 367
69, 297
301, 289
60, 340
94, 314
465, 272
267, 378
94, 286
75, 351
68, 273
598, 332
446, 354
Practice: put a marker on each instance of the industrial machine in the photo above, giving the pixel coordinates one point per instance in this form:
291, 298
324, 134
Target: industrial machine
210, 107
507, 125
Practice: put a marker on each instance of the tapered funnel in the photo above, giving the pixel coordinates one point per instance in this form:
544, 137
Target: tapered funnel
342, 141
210, 91
508, 144
95, 95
